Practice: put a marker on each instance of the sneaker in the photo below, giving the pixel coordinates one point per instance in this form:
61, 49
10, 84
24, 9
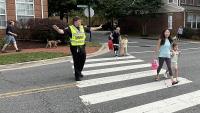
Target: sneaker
4, 51
18, 50
78, 79
173, 83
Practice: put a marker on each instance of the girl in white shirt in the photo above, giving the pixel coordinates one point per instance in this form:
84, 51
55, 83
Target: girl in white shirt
124, 45
174, 60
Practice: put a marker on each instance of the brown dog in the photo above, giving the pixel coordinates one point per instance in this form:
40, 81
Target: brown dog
52, 43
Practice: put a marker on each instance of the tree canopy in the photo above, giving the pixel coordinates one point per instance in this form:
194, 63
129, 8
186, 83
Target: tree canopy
110, 9
61, 6
145, 9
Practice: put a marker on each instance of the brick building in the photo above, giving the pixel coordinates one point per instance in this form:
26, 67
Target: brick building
174, 13
21, 9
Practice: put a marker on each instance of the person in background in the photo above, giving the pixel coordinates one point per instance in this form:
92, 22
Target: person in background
124, 45
180, 32
10, 37
115, 35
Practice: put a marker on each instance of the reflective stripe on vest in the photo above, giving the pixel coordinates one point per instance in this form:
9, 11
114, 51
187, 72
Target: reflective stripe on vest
78, 36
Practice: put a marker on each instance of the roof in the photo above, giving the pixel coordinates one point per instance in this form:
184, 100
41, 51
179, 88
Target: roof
169, 8
191, 8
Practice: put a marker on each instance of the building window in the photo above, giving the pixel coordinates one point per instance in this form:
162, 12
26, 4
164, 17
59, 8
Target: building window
2, 13
170, 22
173, 1
190, 2
190, 21
176, 1
183, 1
198, 2
170, 1
198, 21
24, 9
193, 21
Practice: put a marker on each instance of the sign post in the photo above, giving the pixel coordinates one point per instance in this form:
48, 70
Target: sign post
89, 12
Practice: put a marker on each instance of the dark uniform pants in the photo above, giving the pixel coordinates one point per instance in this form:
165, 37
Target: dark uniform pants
79, 57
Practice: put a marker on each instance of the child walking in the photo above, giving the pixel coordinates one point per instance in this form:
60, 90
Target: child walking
174, 60
124, 45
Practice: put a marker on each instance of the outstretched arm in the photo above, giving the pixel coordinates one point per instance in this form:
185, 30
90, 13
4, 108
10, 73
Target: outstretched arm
60, 31
12, 33
157, 45
96, 28
111, 35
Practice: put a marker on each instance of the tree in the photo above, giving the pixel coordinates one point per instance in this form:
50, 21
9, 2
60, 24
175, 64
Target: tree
61, 7
145, 9
113, 9
64, 7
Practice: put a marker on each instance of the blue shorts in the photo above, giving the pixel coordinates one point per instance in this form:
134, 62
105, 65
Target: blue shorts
9, 39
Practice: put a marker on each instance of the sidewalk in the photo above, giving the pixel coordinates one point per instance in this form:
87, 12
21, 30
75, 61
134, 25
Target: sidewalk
91, 52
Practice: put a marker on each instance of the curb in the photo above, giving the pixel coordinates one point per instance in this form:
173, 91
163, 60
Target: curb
23, 65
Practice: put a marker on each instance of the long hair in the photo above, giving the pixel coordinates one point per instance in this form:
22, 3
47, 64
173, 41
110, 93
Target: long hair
162, 37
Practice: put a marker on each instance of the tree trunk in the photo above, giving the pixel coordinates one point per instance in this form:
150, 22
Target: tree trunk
67, 17
61, 14
112, 23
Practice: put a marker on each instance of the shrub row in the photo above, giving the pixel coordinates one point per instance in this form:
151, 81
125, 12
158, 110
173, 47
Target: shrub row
191, 33
39, 30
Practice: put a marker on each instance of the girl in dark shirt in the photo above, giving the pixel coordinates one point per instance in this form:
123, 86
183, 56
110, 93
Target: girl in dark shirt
115, 35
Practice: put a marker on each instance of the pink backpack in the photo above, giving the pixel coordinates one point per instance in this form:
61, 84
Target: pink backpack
154, 64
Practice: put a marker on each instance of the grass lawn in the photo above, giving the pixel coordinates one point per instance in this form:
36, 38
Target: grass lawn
35, 56
26, 57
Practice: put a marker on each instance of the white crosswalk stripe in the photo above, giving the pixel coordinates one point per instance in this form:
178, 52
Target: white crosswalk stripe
115, 69
169, 105
128, 91
122, 64
112, 63
117, 78
108, 59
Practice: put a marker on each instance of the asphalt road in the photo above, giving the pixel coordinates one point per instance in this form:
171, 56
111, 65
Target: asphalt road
110, 84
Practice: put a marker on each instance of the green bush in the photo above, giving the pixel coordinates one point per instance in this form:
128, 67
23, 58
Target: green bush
188, 33
195, 37
2, 42
21, 28
39, 30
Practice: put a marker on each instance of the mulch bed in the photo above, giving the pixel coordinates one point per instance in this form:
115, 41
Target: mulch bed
28, 46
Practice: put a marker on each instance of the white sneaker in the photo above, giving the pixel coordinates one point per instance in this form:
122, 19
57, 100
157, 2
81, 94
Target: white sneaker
165, 75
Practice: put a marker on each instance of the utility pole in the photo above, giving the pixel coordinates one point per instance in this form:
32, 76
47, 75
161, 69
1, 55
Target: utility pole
89, 12
90, 39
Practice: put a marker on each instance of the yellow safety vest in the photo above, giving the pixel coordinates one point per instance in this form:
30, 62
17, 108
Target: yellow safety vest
78, 36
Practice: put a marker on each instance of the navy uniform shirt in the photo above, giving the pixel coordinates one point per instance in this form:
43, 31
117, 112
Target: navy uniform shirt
9, 29
115, 37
